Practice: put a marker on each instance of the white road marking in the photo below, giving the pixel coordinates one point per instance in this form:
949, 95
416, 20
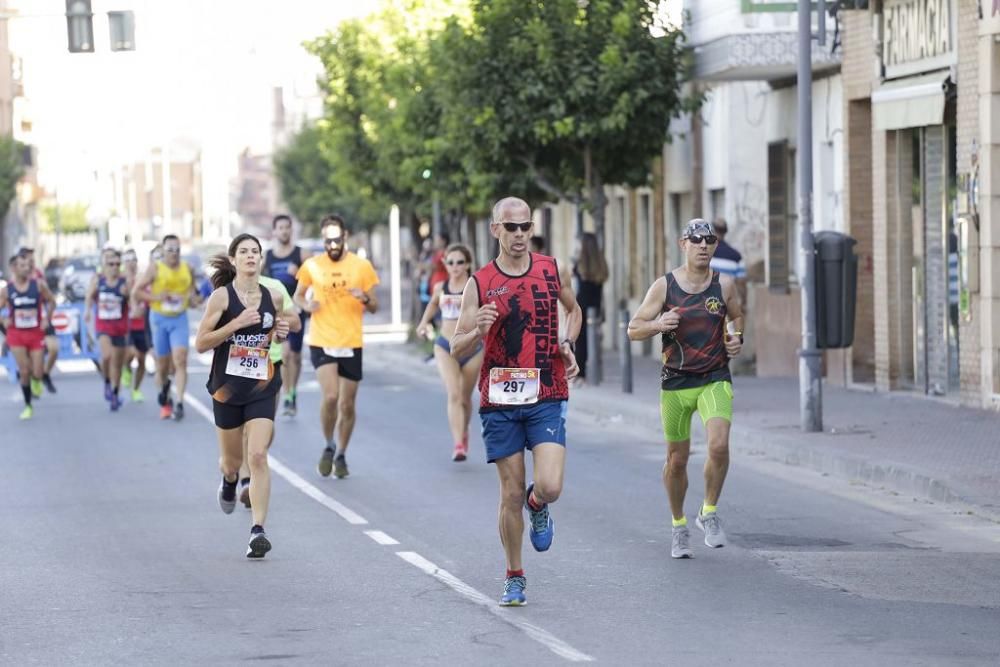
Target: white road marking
543, 637
380, 537
290, 476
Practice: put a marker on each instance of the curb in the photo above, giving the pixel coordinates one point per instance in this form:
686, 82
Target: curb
750, 441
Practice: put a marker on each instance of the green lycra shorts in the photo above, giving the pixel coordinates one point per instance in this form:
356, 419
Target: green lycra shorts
677, 407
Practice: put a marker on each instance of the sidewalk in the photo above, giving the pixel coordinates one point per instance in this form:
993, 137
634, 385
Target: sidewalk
913, 446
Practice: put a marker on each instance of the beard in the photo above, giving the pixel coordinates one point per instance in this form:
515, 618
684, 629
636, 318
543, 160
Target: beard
335, 254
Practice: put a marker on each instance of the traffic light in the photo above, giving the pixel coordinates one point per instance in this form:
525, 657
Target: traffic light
121, 27
80, 26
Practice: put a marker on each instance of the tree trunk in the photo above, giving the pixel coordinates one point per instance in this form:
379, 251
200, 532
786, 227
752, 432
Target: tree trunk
598, 202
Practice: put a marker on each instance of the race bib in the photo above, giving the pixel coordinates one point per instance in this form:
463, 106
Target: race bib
339, 352
513, 386
451, 306
25, 319
248, 362
109, 306
171, 303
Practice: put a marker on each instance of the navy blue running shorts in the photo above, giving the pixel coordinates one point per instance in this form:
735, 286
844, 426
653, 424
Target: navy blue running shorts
509, 431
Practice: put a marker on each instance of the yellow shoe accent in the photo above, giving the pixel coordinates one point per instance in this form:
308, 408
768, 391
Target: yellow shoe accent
137, 396
683, 521
707, 509
27, 413
36, 388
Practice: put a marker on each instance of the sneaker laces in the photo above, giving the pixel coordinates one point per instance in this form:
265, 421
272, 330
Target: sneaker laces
682, 538
540, 519
514, 584
712, 523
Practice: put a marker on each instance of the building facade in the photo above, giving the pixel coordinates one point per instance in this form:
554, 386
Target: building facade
921, 78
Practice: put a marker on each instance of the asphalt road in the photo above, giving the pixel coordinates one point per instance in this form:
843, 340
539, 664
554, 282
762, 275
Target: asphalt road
115, 551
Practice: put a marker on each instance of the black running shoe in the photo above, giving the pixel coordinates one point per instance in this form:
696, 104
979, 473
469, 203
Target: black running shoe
258, 546
47, 381
179, 412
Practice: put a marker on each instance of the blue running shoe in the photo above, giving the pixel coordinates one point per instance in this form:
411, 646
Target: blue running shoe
542, 526
513, 592
115, 402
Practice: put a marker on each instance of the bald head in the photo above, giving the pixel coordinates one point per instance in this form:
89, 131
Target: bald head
511, 209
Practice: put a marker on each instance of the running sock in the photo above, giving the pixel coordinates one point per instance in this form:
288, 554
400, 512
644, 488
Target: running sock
245, 481
257, 528
515, 573
26, 392
291, 395
533, 502
706, 508
677, 523
228, 489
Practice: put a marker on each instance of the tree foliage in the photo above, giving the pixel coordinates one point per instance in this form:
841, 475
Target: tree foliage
473, 100
65, 218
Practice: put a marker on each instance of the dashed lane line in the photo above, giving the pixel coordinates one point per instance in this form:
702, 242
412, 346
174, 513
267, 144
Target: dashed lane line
543, 637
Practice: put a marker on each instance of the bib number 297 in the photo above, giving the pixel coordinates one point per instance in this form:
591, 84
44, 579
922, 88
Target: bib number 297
513, 386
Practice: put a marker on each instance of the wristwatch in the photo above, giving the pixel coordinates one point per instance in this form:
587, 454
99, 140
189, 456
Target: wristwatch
367, 300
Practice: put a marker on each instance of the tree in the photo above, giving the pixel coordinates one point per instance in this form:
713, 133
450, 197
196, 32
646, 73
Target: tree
307, 180
571, 94
65, 218
11, 171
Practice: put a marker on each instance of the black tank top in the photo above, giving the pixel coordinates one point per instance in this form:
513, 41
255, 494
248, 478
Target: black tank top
278, 267
25, 307
242, 371
694, 354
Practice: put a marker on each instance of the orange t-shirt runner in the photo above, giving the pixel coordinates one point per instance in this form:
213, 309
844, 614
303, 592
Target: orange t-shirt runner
337, 322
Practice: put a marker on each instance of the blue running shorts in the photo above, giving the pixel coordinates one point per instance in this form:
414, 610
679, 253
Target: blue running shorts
169, 332
509, 431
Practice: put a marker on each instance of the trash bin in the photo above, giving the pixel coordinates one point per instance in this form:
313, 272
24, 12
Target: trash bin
836, 289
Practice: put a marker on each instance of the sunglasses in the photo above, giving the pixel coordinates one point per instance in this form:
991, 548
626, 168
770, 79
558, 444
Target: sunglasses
334, 241
457, 262
696, 239
514, 226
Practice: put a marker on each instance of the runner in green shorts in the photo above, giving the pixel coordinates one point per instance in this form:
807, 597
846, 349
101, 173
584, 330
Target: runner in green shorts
689, 307
275, 353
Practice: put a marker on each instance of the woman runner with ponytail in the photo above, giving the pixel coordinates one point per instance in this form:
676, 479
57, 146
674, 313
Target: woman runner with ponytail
240, 322
460, 375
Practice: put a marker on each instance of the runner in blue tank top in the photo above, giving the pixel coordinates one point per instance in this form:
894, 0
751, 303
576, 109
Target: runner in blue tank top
282, 262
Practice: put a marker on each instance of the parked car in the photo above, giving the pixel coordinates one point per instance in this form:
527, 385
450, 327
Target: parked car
76, 276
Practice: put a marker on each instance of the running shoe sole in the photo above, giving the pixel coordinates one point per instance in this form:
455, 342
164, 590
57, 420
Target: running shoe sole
259, 546
514, 603
458, 456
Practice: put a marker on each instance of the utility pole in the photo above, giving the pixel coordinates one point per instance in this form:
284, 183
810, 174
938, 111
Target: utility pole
810, 380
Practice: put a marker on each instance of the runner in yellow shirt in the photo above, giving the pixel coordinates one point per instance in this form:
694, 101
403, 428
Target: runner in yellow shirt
343, 288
